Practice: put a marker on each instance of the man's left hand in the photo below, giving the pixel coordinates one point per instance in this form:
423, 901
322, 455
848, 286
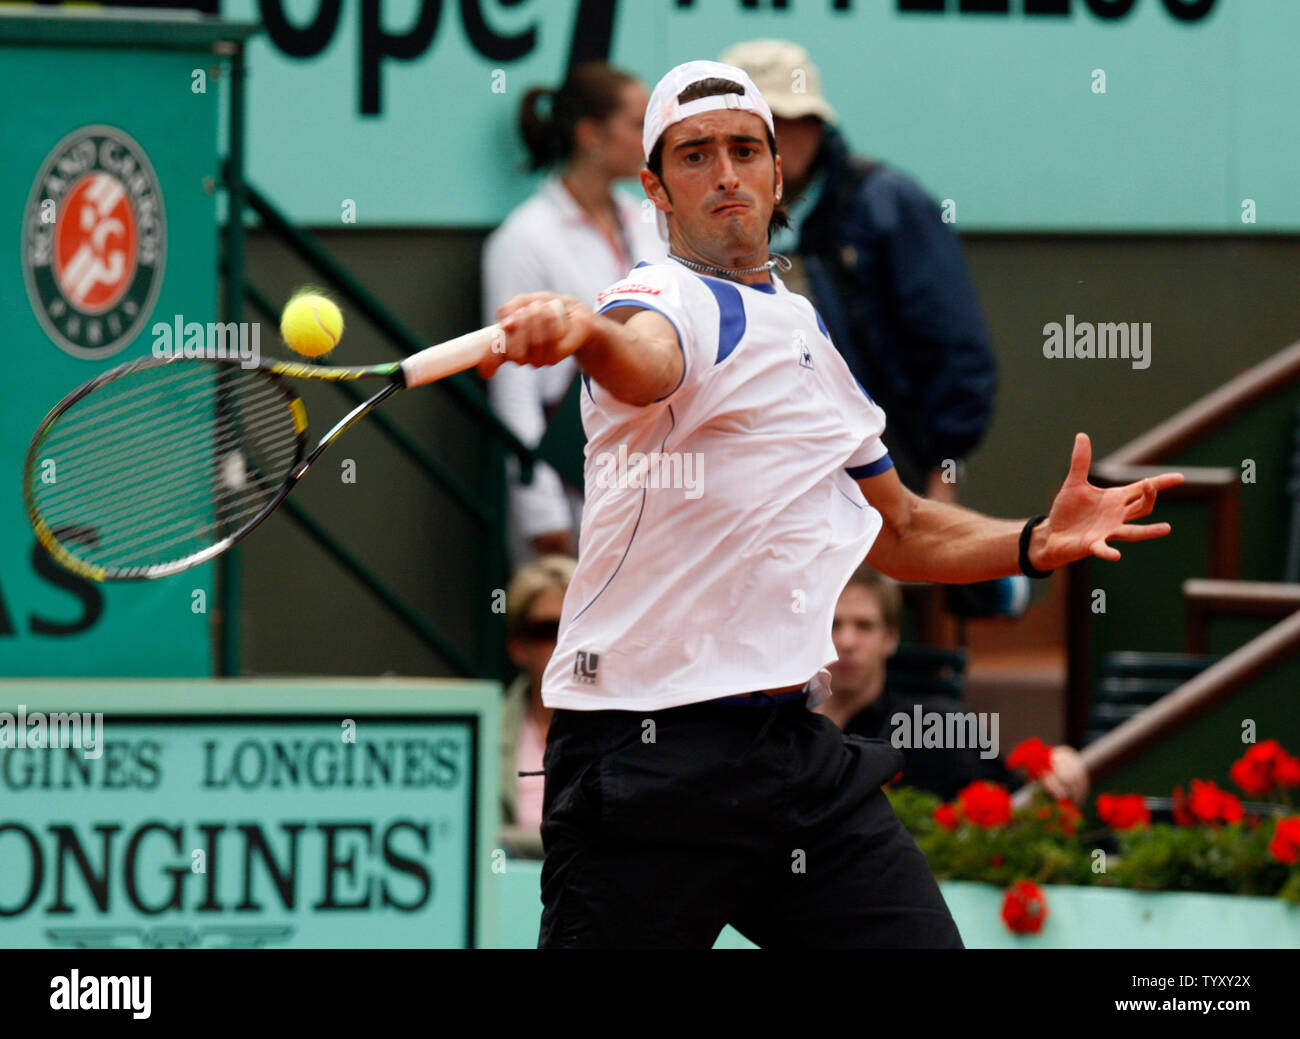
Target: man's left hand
1084, 517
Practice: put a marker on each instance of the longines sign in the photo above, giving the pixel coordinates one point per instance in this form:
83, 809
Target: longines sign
270, 814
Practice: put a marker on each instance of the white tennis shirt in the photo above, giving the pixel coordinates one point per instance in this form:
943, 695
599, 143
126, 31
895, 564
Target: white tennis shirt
721, 523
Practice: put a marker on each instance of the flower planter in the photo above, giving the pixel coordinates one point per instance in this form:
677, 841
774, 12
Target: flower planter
1215, 843
1078, 917
1104, 918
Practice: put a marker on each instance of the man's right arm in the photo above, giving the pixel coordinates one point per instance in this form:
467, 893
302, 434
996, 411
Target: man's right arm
632, 352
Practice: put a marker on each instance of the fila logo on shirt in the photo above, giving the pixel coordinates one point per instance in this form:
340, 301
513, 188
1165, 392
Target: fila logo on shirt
801, 351
585, 665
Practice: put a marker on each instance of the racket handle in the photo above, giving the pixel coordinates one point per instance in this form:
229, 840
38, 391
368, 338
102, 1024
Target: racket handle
456, 355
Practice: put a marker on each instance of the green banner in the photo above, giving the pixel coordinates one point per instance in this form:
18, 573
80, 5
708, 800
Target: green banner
1086, 115
307, 814
107, 194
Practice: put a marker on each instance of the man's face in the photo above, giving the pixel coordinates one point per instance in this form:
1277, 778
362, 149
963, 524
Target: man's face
862, 640
797, 141
531, 649
718, 185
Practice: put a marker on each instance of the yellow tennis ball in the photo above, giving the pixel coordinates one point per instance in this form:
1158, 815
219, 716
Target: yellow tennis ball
311, 324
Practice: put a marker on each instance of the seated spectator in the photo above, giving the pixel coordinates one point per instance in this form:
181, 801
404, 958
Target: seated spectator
865, 630
534, 600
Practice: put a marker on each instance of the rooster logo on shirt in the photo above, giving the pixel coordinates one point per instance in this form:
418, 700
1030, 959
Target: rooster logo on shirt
801, 350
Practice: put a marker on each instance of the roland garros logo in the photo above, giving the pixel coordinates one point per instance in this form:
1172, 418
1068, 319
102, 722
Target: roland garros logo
94, 242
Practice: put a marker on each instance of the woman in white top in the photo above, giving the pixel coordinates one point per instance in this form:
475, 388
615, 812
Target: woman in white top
574, 235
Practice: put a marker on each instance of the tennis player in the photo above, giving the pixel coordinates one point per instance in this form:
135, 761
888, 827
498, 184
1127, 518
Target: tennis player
735, 477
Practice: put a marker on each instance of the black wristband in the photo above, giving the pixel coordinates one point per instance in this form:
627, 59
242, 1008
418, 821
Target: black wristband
1026, 567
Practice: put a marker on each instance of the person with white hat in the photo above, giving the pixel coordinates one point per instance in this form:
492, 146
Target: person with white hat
735, 477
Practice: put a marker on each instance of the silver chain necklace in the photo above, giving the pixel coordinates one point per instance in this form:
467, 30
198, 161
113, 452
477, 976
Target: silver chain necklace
781, 262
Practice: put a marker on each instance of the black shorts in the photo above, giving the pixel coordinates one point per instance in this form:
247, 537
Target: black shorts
662, 827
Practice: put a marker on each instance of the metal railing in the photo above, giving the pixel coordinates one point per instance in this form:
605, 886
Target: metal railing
485, 506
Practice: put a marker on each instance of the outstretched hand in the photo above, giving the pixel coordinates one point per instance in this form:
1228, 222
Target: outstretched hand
1084, 517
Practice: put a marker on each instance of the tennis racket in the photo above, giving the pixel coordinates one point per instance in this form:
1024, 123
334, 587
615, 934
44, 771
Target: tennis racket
163, 463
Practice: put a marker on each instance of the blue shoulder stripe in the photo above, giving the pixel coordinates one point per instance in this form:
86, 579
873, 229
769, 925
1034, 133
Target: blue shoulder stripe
731, 316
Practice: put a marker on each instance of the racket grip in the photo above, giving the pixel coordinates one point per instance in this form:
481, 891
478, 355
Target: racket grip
456, 355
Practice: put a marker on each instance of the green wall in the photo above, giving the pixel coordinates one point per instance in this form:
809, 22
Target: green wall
50, 622
1006, 114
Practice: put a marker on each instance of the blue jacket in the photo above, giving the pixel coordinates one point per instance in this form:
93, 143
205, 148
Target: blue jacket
890, 281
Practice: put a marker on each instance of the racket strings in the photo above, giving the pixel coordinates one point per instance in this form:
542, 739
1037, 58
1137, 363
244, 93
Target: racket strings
228, 510
158, 545
96, 411
171, 481
91, 455
163, 462
177, 493
88, 461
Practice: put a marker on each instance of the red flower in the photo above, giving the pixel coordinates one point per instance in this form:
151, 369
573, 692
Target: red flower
1285, 845
946, 816
1264, 767
1182, 817
1123, 811
997, 860
1209, 804
1287, 771
1065, 814
1070, 816
985, 803
1253, 773
1024, 908
1032, 756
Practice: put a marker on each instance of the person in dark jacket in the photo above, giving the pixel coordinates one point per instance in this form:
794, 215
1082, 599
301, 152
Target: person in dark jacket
887, 274
864, 703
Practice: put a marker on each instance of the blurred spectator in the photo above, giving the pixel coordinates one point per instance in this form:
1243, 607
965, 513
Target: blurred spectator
871, 250
865, 630
534, 600
574, 235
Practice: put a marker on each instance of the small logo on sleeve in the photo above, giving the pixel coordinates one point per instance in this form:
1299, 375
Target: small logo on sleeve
585, 667
624, 289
